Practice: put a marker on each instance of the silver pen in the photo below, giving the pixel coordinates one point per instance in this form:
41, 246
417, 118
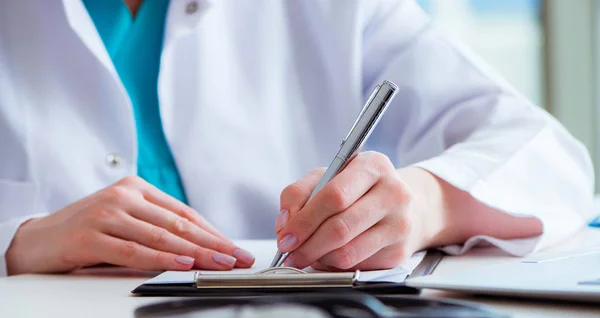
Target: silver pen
363, 126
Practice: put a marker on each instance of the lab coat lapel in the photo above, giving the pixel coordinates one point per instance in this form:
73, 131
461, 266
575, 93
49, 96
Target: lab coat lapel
183, 17
81, 22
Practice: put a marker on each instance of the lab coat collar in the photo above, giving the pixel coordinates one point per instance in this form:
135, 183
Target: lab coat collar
182, 18
82, 24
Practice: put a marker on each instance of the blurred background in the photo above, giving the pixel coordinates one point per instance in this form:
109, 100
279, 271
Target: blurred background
548, 49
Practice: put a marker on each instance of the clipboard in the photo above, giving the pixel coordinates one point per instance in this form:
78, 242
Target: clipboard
274, 282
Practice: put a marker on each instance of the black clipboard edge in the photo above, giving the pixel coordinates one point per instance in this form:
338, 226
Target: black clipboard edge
425, 267
429, 263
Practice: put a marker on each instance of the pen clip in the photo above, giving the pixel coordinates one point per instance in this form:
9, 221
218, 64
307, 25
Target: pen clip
362, 111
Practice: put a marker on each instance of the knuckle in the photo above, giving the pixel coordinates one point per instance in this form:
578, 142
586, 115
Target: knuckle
99, 216
181, 226
158, 236
400, 191
128, 250
337, 197
99, 213
340, 230
377, 158
344, 257
292, 191
130, 181
118, 193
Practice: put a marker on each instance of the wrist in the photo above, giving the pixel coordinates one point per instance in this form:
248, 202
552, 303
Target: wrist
24, 252
448, 215
431, 221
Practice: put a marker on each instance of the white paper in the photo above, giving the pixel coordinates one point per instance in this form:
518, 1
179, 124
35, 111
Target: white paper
264, 251
550, 257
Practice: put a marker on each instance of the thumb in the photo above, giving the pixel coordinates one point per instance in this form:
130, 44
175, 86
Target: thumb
295, 196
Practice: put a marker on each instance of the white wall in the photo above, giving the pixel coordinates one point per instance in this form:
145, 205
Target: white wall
512, 42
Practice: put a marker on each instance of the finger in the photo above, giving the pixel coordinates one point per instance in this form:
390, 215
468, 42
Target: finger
108, 249
362, 173
358, 250
389, 257
295, 196
339, 230
131, 229
320, 267
156, 196
189, 231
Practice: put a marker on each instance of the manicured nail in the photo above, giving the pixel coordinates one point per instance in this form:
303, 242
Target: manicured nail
287, 242
243, 256
281, 220
223, 259
184, 260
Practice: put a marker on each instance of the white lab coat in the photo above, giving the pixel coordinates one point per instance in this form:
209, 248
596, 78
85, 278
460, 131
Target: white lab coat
255, 94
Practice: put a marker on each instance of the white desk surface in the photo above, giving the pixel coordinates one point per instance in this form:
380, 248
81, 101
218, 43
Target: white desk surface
105, 293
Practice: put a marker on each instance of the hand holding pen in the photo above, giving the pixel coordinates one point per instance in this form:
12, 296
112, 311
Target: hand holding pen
356, 214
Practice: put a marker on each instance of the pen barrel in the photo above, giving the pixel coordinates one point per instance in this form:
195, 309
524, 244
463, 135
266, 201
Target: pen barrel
334, 168
367, 119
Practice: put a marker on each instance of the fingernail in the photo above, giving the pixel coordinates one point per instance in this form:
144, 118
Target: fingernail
223, 259
244, 256
184, 260
287, 242
281, 220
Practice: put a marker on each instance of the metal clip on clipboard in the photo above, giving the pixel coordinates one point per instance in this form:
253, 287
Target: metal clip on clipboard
272, 278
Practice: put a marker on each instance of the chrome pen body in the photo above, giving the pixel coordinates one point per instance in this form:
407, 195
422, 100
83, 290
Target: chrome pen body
366, 121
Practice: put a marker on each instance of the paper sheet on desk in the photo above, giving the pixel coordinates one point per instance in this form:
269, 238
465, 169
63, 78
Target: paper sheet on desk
264, 250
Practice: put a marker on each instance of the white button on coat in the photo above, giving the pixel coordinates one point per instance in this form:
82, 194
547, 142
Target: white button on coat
255, 94
191, 7
114, 160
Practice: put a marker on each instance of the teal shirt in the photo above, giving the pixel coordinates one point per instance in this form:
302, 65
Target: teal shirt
135, 45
